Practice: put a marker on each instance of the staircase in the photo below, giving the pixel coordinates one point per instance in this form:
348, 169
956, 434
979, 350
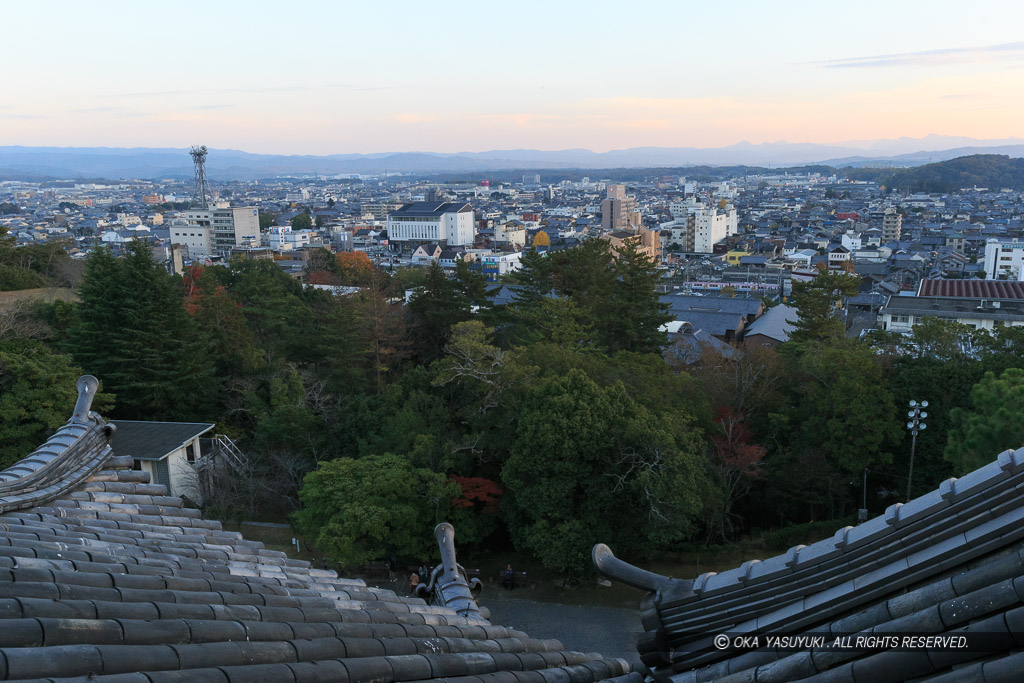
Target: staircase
220, 447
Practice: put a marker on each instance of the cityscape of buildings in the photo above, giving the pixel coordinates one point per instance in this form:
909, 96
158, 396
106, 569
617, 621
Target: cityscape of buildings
749, 236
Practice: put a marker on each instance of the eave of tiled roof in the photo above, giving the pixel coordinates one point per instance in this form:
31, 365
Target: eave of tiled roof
947, 561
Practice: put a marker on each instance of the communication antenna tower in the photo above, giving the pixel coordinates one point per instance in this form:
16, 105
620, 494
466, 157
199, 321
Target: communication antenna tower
201, 190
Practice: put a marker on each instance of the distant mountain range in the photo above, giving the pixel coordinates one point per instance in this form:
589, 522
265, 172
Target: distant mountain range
115, 163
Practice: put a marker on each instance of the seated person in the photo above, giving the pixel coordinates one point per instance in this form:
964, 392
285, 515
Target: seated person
508, 578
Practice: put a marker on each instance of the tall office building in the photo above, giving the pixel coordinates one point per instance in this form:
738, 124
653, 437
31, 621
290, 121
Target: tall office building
221, 228
618, 212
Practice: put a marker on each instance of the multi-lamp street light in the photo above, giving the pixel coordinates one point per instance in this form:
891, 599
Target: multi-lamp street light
916, 414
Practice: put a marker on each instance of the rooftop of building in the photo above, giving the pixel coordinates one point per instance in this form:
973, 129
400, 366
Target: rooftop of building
429, 209
974, 288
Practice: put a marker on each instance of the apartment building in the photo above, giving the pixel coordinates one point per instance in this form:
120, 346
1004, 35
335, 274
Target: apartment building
892, 225
1004, 260
619, 212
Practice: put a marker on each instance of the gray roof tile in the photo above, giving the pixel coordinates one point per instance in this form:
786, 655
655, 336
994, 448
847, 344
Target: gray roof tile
103, 574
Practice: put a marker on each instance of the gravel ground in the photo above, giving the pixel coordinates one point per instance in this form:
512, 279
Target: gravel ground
610, 631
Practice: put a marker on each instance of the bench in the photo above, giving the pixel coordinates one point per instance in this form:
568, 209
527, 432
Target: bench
515, 580
470, 573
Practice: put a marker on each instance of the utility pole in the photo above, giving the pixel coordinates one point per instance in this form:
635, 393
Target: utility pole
916, 414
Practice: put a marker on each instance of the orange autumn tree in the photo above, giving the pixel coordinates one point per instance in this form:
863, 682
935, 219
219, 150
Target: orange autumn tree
356, 268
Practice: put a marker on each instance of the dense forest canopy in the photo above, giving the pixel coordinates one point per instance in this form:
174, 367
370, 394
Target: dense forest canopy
546, 424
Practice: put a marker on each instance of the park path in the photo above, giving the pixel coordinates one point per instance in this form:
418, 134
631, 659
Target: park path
611, 631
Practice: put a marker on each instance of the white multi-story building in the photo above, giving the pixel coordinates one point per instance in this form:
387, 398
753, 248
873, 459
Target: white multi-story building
512, 233
1004, 259
851, 240
283, 238
229, 226
447, 223
710, 225
196, 238
300, 195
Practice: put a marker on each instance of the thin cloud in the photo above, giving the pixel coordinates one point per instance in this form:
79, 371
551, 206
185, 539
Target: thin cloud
21, 116
95, 110
240, 91
952, 55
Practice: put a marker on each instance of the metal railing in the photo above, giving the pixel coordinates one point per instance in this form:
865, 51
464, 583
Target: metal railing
220, 446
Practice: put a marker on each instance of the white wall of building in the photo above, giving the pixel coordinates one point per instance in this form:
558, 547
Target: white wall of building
1004, 259
283, 238
453, 228
196, 238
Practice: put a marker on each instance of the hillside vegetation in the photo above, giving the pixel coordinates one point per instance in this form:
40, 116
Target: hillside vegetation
994, 171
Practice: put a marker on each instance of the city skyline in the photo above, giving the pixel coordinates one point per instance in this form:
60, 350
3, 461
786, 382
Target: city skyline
326, 79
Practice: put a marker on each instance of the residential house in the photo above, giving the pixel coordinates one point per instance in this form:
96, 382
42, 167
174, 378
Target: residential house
425, 253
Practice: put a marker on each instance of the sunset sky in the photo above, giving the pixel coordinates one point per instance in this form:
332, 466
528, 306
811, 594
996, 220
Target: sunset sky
337, 77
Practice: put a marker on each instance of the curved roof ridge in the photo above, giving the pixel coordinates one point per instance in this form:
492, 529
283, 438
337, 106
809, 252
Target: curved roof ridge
960, 521
70, 456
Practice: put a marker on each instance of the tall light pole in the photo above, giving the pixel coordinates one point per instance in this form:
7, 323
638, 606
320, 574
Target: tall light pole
916, 414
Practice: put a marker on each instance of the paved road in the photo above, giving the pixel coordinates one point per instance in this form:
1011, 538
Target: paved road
610, 631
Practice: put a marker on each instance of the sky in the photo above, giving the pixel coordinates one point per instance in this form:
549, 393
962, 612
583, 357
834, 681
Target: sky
360, 77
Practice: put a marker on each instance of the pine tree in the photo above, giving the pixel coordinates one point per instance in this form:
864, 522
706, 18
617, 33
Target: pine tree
438, 306
134, 334
637, 314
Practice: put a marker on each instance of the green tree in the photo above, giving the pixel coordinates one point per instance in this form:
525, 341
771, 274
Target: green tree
13, 274
590, 464
323, 263
943, 339
636, 313
273, 305
219, 315
838, 416
471, 284
370, 508
301, 221
994, 422
267, 220
134, 334
437, 306
818, 303
37, 395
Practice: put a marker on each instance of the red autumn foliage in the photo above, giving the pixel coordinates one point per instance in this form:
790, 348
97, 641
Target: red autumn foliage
477, 490
196, 291
322, 277
733, 450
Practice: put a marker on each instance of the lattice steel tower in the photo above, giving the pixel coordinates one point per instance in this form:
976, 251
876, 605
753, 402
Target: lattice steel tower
201, 191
